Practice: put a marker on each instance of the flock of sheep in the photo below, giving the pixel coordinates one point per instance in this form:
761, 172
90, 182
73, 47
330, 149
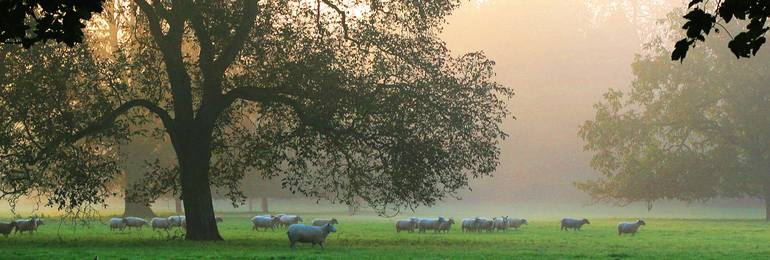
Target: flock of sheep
317, 232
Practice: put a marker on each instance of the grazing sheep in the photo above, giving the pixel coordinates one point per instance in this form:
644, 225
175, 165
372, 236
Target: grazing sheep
288, 220
175, 221
308, 234
160, 223
6, 227
406, 224
470, 224
486, 224
118, 223
500, 223
321, 222
567, 223
630, 227
515, 223
134, 222
446, 226
264, 222
28, 225
431, 224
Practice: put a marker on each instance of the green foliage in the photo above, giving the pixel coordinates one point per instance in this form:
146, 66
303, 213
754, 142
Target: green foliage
699, 23
689, 132
367, 238
30, 21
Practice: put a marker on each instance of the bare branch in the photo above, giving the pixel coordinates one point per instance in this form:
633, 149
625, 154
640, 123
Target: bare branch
241, 35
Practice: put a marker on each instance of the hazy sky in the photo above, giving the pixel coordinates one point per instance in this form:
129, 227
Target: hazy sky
559, 56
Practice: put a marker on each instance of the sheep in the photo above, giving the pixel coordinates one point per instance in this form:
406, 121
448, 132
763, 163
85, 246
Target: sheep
431, 224
28, 225
630, 227
134, 222
321, 222
446, 226
264, 222
486, 224
160, 223
118, 223
287, 220
7, 227
175, 221
308, 234
470, 224
406, 224
567, 223
516, 223
500, 223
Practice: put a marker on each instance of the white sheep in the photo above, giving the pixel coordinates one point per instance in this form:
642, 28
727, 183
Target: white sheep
486, 224
7, 227
406, 224
287, 220
516, 223
321, 222
576, 224
27, 225
308, 234
118, 223
264, 222
134, 222
175, 221
630, 227
160, 223
470, 224
500, 223
431, 224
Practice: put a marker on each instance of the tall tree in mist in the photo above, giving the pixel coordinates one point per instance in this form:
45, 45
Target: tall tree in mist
688, 131
354, 99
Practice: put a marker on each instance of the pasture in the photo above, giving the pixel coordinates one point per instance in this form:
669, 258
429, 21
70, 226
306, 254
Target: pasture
369, 237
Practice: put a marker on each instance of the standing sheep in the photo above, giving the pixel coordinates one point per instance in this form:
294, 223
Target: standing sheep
567, 223
264, 222
288, 220
6, 228
308, 234
470, 224
630, 227
118, 223
406, 224
446, 226
321, 222
501, 223
431, 224
160, 223
516, 223
486, 224
134, 222
28, 225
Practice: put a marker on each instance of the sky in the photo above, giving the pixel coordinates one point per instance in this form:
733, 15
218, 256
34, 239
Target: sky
559, 56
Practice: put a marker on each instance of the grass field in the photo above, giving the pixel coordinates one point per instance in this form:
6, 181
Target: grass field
371, 237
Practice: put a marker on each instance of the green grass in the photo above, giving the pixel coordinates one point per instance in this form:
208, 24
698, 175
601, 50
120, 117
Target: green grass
375, 238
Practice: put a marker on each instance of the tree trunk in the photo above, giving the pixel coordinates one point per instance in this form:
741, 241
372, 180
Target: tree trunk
767, 205
178, 206
194, 153
133, 155
352, 210
264, 205
133, 209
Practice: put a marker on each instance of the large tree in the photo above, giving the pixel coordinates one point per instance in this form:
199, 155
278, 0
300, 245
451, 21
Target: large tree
354, 99
689, 131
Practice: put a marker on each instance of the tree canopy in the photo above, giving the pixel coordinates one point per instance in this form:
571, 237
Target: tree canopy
689, 132
27, 22
699, 23
337, 99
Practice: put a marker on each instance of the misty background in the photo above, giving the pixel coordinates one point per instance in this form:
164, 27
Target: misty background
560, 57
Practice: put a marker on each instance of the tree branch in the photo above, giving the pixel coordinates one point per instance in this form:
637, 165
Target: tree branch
154, 22
248, 19
107, 121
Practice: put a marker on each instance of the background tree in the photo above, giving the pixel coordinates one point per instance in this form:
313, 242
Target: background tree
689, 132
27, 22
364, 92
699, 22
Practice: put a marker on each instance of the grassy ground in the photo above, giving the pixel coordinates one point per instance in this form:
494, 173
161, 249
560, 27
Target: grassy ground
375, 238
